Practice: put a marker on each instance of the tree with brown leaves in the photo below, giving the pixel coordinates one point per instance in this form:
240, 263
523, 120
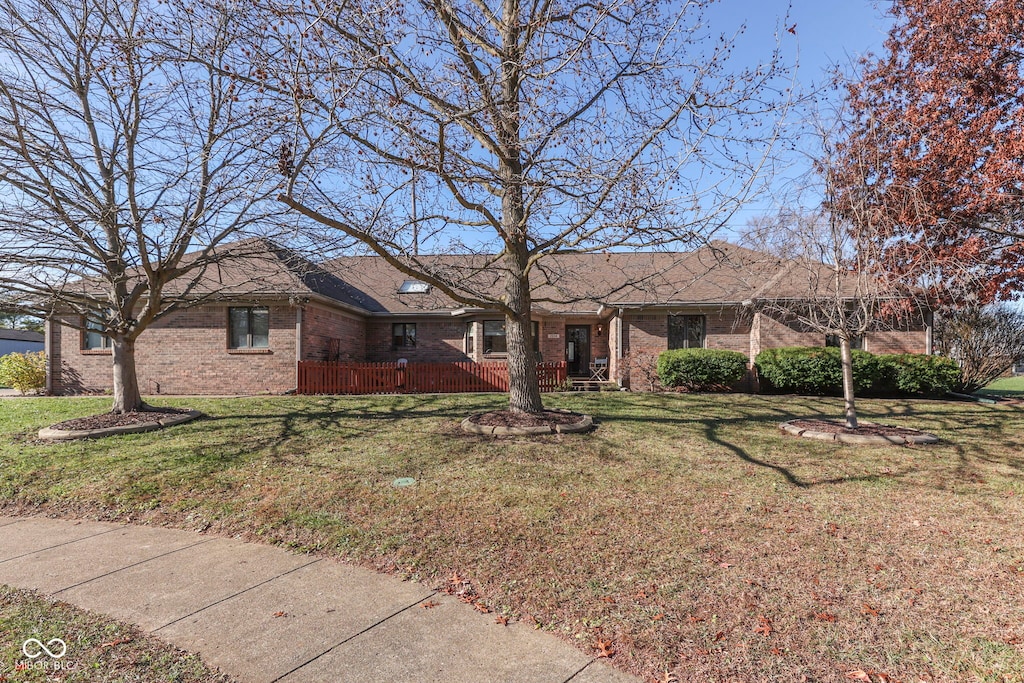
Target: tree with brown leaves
942, 114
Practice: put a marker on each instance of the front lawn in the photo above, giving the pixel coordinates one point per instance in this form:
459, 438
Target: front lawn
1004, 386
687, 530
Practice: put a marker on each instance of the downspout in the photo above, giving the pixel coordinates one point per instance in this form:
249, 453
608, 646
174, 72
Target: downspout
929, 329
298, 343
48, 350
618, 347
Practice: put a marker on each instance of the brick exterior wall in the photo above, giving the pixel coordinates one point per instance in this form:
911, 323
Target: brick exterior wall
645, 335
896, 341
437, 341
184, 353
911, 338
320, 325
648, 332
775, 334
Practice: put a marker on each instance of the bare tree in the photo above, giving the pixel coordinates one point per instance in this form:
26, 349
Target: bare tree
511, 131
984, 340
119, 154
830, 282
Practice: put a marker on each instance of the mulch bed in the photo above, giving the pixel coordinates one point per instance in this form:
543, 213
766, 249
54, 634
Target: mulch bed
506, 418
836, 427
106, 420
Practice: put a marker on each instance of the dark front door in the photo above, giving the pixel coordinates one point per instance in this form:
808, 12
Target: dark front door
577, 350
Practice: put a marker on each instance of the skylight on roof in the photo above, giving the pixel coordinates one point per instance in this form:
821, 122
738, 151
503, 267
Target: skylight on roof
414, 287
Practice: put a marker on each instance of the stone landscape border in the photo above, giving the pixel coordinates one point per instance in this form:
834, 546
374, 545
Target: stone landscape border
50, 434
471, 427
861, 439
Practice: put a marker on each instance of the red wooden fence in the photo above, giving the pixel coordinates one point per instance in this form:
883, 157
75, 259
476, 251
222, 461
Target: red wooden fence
323, 377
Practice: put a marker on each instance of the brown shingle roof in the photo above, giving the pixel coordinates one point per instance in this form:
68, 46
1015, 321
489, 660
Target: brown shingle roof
575, 283
720, 273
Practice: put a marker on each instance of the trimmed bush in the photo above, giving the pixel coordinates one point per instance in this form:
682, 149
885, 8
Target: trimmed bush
23, 371
819, 370
813, 370
701, 369
912, 374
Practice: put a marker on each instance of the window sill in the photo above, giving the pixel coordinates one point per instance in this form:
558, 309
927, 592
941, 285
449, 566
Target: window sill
496, 355
250, 352
96, 352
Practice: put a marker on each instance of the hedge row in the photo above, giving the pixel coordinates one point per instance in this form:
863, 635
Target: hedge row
701, 369
817, 370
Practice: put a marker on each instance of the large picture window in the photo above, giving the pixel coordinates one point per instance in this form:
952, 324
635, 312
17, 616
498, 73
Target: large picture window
495, 340
403, 335
686, 331
94, 337
494, 337
249, 327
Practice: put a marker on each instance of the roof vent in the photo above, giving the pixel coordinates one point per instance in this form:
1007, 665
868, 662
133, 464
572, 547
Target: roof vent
414, 287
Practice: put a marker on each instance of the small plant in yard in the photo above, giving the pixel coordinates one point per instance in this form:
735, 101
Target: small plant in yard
23, 371
701, 369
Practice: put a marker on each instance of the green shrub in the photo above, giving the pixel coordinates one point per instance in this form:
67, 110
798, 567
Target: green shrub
23, 371
701, 369
818, 370
813, 370
913, 374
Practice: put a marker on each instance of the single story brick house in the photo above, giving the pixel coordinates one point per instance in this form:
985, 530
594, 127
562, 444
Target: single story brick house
253, 319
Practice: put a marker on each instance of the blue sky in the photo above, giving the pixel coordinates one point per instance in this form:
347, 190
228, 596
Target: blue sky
827, 31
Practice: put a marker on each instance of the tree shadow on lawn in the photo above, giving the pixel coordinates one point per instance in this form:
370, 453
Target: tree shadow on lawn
275, 428
343, 418
979, 427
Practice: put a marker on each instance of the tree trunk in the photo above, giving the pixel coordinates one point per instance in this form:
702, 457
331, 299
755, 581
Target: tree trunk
127, 397
523, 387
846, 355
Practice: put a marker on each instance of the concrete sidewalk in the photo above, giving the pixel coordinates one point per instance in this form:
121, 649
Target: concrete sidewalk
262, 614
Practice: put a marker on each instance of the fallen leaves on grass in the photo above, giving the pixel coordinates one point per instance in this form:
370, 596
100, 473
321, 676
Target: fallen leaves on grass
501, 620
764, 626
825, 616
868, 610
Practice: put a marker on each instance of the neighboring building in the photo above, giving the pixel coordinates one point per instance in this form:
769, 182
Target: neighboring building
20, 341
258, 317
